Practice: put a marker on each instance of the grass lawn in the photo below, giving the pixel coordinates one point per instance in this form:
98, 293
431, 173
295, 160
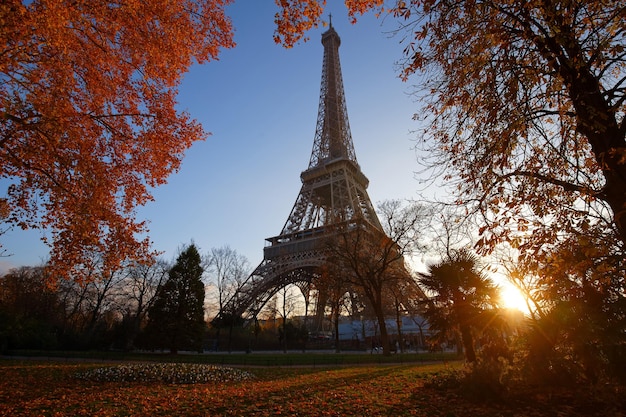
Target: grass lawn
49, 388
293, 358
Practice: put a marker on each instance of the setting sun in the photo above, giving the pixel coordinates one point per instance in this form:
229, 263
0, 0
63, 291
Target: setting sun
512, 298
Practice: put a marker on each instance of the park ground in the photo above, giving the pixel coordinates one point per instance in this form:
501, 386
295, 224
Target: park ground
39, 387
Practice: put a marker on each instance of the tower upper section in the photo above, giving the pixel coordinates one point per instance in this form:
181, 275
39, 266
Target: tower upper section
334, 190
333, 139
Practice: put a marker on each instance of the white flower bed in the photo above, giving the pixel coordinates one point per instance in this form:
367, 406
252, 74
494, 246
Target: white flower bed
170, 373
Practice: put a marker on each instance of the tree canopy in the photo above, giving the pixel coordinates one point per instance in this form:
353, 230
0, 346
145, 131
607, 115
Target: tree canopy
87, 114
526, 105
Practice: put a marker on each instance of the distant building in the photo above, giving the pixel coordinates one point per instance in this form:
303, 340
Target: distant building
361, 330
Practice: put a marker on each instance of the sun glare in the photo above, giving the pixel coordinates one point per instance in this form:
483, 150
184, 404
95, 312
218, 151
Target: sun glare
512, 298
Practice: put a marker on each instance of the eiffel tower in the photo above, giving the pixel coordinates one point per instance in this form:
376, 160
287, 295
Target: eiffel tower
333, 192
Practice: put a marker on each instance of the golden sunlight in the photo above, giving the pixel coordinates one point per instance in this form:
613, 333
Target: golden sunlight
512, 298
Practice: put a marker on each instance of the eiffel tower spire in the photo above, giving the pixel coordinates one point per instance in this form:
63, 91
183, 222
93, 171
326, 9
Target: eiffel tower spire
332, 135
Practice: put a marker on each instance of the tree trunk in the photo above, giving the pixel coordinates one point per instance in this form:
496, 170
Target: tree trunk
336, 325
400, 345
284, 334
384, 336
596, 117
468, 343
615, 190
597, 120
607, 142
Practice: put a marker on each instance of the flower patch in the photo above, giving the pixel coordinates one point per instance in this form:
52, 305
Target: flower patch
170, 373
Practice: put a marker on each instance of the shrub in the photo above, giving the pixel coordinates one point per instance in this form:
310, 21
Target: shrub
487, 379
444, 380
481, 380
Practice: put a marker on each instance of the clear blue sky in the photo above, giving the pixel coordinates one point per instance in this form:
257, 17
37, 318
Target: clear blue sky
260, 103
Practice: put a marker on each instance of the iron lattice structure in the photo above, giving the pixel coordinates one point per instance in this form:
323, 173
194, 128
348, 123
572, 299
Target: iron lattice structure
333, 192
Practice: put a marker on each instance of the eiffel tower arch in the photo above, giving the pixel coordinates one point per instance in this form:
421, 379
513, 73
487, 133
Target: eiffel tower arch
333, 192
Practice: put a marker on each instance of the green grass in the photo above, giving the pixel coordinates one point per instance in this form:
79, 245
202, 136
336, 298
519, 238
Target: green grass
244, 359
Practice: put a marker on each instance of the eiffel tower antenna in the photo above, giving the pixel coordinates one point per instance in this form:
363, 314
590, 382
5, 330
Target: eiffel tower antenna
333, 192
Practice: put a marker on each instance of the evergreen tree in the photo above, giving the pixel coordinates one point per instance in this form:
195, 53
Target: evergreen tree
176, 319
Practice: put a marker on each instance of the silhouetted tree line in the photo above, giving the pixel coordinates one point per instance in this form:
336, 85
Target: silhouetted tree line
139, 306
574, 333
152, 306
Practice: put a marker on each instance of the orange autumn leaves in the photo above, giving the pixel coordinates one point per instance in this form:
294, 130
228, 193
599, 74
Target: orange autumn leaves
295, 17
88, 122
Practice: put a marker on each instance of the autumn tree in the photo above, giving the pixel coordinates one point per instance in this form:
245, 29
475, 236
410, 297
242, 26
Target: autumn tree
576, 318
227, 270
176, 317
88, 122
69, 315
372, 260
406, 299
333, 291
89, 298
526, 105
462, 298
295, 17
102, 287
288, 305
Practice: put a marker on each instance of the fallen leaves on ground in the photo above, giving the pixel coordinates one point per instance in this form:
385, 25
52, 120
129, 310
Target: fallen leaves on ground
52, 389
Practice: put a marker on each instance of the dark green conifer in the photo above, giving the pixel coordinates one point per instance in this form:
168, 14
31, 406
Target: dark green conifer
176, 319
